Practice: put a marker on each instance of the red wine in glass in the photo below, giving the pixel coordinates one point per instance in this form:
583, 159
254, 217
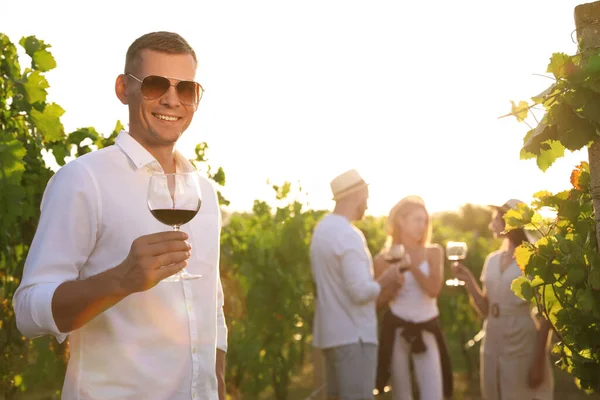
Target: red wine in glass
395, 254
174, 200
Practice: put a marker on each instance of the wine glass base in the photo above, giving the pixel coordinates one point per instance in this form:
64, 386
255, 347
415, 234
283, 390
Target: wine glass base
182, 276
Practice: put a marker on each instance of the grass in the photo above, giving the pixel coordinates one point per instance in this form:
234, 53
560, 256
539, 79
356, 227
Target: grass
464, 389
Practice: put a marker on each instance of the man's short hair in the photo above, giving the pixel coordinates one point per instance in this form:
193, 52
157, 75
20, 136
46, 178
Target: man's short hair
164, 42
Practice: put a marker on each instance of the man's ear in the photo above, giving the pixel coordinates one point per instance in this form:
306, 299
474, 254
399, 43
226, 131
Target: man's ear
121, 88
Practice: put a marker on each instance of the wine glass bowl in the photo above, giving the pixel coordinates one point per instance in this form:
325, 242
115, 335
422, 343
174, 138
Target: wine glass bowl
456, 251
395, 254
174, 200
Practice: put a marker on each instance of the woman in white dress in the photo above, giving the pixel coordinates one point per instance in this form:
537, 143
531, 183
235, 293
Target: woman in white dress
514, 354
410, 328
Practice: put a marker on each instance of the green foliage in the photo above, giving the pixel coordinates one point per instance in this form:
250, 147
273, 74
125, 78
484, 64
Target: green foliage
572, 109
29, 127
562, 273
267, 277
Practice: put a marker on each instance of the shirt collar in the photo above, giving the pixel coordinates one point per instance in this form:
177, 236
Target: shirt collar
140, 157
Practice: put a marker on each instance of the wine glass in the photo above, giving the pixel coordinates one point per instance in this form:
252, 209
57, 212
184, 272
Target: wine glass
395, 254
174, 199
456, 251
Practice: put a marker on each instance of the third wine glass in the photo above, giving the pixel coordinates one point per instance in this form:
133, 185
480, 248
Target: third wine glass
456, 251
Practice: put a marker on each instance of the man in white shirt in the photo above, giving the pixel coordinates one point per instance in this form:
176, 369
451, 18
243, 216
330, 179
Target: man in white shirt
95, 268
345, 324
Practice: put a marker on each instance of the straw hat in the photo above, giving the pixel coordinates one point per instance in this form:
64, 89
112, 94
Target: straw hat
347, 183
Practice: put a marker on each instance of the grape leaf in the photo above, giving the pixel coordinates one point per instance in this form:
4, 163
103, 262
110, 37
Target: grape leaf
520, 111
48, 122
522, 255
522, 288
561, 65
43, 60
35, 87
549, 154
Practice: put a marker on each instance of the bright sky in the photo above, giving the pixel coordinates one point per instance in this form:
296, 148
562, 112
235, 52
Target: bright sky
406, 92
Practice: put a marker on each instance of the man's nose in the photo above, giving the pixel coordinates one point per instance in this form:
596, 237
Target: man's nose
170, 98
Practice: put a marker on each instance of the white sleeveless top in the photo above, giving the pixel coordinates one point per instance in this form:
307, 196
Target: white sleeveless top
412, 303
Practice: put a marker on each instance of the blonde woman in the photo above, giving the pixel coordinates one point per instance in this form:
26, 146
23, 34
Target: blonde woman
515, 350
410, 328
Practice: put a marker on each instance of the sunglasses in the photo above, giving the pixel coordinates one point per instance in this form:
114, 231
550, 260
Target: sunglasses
154, 86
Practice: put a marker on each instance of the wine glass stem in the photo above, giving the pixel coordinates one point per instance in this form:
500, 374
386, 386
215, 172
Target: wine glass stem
175, 227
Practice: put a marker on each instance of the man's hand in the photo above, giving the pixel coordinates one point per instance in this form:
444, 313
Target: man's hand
153, 258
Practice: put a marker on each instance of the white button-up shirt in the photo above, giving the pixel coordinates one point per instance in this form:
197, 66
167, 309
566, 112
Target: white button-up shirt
342, 268
157, 344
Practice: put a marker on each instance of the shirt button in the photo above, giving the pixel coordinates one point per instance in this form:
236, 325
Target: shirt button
193, 350
189, 308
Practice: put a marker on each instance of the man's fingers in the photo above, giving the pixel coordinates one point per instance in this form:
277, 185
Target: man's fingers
169, 246
164, 236
172, 258
167, 271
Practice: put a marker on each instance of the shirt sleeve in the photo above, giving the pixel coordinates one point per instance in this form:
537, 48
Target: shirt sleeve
356, 268
64, 239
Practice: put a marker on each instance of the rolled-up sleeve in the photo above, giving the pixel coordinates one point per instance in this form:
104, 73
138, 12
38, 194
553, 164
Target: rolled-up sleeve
63, 241
357, 274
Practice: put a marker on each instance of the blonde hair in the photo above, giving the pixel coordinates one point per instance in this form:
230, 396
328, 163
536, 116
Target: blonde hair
404, 207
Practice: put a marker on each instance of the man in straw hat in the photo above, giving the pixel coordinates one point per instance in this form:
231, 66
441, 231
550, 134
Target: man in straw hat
345, 324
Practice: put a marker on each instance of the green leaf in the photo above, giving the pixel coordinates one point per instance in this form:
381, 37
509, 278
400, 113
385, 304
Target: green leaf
219, 176
594, 277
11, 161
561, 65
522, 255
281, 192
585, 301
31, 44
520, 111
518, 217
551, 153
48, 122
522, 288
35, 87
575, 128
525, 155
547, 97
569, 210
576, 276
43, 60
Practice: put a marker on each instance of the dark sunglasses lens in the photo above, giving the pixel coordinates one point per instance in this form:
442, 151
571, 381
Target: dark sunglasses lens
189, 92
154, 86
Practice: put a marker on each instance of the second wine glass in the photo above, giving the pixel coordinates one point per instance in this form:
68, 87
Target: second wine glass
456, 251
175, 199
